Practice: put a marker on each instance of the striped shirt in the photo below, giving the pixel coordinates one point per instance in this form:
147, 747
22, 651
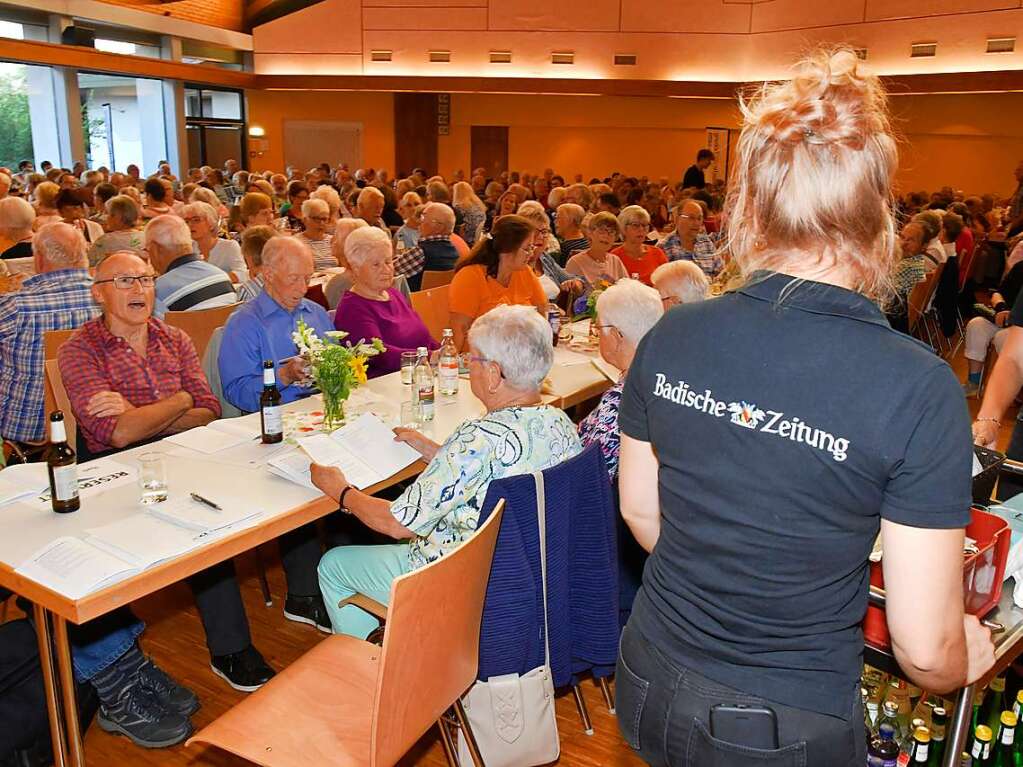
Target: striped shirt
192, 284
322, 257
58, 300
704, 253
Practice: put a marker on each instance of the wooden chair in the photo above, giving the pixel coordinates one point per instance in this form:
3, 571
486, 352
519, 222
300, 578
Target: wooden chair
347, 702
432, 308
199, 325
54, 394
434, 279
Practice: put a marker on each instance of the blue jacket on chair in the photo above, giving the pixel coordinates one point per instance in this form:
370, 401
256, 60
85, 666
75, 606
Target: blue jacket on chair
582, 574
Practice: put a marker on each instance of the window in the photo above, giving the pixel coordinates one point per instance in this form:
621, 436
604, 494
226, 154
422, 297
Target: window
214, 125
28, 115
123, 121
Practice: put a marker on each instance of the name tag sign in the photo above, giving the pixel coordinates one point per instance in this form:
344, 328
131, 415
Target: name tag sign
93, 478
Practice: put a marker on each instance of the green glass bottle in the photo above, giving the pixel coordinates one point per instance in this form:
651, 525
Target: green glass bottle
994, 705
939, 721
981, 750
920, 745
1005, 749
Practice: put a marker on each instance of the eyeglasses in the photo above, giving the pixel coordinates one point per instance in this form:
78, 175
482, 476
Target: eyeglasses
687, 217
544, 232
126, 281
321, 219
605, 327
637, 225
194, 220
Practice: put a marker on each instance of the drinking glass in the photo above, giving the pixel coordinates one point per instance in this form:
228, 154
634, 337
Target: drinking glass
408, 362
152, 478
409, 415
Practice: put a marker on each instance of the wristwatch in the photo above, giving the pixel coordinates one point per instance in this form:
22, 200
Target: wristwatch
341, 499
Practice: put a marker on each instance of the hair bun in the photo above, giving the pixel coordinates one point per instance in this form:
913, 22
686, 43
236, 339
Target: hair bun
830, 100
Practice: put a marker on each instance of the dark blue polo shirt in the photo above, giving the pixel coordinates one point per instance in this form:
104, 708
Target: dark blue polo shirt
788, 418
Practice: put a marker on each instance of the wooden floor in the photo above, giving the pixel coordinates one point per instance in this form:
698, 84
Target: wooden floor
175, 638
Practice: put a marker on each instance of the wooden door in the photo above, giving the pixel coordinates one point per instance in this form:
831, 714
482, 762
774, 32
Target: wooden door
415, 133
489, 149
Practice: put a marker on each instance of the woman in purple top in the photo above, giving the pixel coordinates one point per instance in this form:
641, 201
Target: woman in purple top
372, 308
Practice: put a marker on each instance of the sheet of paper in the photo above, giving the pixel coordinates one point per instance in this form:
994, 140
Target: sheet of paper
326, 451
74, 568
185, 512
94, 478
977, 467
144, 539
610, 371
293, 466
373, 441
22, 481
569, 357
208, 440
251, 454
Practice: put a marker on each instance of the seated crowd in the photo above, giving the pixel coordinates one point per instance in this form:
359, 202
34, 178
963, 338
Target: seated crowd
110, 254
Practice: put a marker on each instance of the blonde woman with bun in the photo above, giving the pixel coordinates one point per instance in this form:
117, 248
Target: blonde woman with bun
768, 435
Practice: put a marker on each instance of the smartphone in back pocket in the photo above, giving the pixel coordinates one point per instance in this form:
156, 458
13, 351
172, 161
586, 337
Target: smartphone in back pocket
753, 726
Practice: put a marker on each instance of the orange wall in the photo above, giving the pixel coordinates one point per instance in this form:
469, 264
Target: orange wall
269, 110
970, 142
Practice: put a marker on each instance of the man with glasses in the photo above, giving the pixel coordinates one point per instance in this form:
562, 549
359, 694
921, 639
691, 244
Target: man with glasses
435, 251
689, 242
57, 297
185, 281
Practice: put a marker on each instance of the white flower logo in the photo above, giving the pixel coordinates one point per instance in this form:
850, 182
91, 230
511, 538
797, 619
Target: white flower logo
746, 414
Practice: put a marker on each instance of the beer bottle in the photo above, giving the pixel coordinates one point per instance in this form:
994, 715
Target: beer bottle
921, 743
995, 704
981, 751
270, 414
939, 720
1004, 750
62, 465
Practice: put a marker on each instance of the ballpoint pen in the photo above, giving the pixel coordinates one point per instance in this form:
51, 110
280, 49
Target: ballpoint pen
204, 501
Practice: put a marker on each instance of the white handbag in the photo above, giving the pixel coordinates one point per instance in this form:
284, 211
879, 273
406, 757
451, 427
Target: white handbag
512, 715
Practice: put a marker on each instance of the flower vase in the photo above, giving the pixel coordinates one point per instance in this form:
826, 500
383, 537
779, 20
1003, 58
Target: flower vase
333, 411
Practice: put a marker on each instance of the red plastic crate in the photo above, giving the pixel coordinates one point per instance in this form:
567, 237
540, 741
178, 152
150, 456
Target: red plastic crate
983, 575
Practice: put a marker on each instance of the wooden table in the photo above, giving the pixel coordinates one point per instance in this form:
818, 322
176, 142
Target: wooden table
287, 506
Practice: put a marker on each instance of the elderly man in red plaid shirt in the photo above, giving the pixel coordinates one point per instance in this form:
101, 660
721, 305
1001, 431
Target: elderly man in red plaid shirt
130, 377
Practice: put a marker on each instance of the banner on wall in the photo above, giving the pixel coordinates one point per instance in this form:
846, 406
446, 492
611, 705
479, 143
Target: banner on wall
718, 143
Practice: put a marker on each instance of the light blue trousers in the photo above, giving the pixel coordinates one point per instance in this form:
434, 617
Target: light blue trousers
348, 570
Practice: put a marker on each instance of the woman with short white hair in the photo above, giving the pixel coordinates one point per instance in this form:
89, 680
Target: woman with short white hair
639, 258
680, 282
510, 353
373, 307
316, 215
203, 223
16, 219
329, 195
625, 312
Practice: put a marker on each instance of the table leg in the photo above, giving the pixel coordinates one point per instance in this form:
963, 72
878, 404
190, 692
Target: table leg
42, 621
958, 733
69, 693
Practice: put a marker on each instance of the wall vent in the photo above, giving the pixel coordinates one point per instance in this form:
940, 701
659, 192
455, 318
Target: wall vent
625, 59
380, 55
923, 50
500, 57
563, 57
440, 57
1001, 44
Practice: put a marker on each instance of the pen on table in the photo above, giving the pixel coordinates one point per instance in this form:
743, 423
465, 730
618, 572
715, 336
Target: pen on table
204, 501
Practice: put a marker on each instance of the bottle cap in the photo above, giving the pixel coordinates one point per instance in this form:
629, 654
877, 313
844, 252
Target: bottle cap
421, 350
983, 732
917, 723
922, 735
891, 707
1019, 696
939, 711
1008, 719
268, 364
58, 415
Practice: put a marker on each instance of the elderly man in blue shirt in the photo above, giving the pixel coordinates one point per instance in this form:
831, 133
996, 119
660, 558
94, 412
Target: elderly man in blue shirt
261, 330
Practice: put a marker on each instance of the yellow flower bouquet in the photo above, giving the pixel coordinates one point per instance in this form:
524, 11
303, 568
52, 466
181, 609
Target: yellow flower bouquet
336, 368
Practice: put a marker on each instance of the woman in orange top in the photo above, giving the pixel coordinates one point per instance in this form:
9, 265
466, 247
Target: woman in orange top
496, 272
639, 258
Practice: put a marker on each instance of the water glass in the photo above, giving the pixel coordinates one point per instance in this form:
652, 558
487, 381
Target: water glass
152, 478
409, 415
408, 364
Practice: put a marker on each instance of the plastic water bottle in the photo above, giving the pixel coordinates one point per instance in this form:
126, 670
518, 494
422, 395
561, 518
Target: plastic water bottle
422, 385
447, 365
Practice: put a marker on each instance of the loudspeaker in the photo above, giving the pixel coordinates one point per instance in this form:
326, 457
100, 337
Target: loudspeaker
78, 36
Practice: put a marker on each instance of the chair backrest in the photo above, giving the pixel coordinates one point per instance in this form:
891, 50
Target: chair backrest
200, 324
434, 279
60, 400
431, 643
211, 369
433, 309
919, 296
53, 340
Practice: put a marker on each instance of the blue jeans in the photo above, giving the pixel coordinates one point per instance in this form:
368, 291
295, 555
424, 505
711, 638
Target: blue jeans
96, 645
349, 570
